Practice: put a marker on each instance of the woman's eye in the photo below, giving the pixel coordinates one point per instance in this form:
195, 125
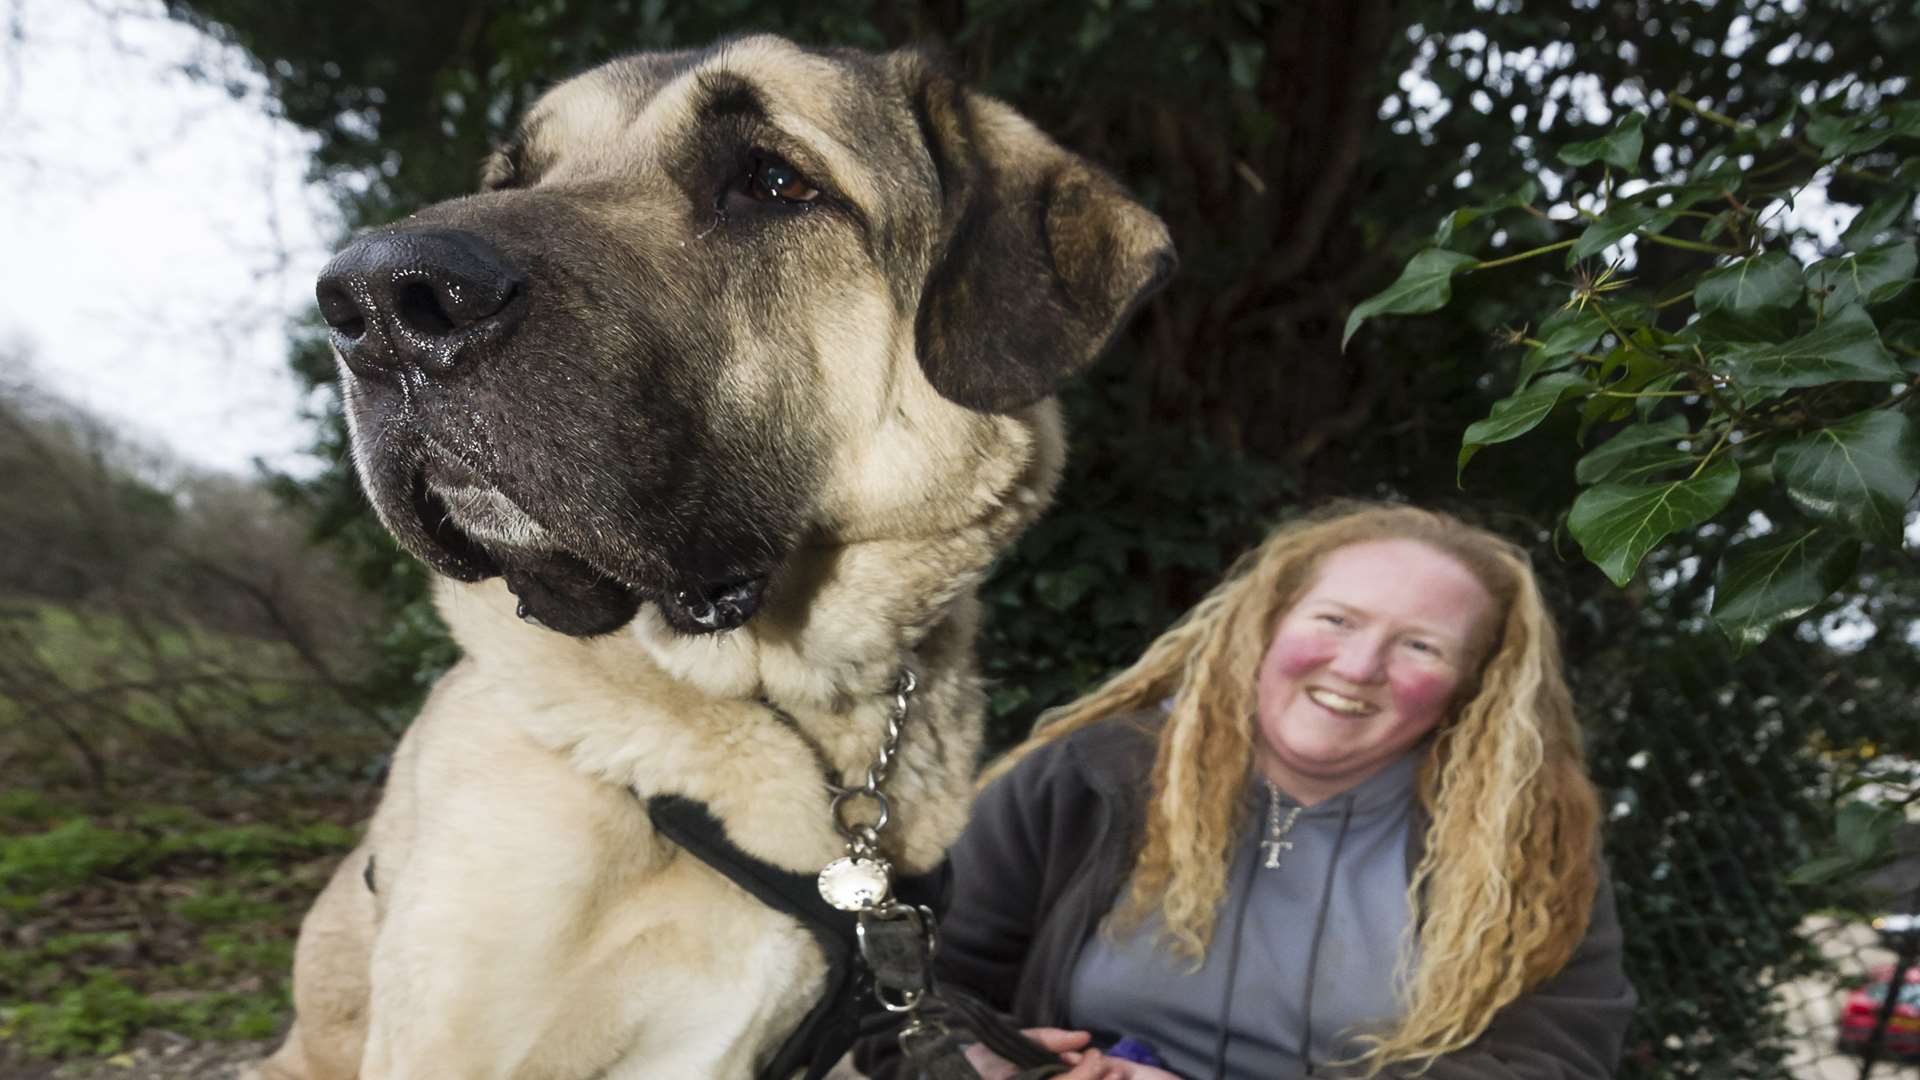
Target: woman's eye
771, 180
1427, 647
1332, 620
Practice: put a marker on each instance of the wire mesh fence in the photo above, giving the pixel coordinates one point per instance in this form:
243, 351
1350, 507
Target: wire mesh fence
1757, 833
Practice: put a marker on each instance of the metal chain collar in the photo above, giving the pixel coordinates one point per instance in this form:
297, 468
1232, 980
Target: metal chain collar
861, 881
863, 838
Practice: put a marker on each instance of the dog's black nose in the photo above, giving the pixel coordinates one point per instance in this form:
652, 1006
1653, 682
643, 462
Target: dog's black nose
417, 298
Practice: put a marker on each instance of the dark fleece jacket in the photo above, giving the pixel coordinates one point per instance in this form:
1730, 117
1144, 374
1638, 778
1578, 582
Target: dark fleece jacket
1049, 848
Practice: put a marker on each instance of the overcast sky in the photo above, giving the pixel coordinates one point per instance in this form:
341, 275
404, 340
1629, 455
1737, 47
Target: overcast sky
157, 232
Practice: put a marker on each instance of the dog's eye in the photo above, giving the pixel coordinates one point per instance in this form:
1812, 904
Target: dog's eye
771, 180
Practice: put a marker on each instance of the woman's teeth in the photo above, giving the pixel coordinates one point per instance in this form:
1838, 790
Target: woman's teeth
1339, 703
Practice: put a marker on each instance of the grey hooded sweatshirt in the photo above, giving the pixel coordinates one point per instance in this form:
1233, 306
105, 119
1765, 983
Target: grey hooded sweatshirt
1314, 942
1048, 850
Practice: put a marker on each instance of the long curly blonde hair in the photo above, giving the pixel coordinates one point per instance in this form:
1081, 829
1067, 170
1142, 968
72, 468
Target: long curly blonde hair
1506, 886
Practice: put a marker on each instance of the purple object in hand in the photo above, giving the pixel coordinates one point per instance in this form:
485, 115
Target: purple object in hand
1132, 1049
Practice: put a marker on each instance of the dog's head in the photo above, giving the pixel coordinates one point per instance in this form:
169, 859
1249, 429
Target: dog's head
636, 367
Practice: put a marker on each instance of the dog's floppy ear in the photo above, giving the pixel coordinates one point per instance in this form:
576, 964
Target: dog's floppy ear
1040, 256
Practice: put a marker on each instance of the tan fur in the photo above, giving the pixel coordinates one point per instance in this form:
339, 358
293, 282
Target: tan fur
527, 921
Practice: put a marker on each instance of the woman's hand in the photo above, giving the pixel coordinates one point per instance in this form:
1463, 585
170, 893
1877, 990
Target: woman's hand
1088, 1064
1068, 1044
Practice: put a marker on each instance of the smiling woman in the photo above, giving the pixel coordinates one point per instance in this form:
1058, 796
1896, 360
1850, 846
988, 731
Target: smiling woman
1335, 822
1366, 664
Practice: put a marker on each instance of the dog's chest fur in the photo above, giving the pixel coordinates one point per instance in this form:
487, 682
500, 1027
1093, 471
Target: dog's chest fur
595, 944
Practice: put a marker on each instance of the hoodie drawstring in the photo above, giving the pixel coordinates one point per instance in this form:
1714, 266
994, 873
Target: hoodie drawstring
1233, 970
1319, 930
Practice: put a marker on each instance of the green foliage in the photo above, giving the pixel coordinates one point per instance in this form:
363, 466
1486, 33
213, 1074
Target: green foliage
1619, 148
104, 1013
1864, 840
96, 1017
25, 807
1856, 474
1775, 409
1425, 285
69, 855
80, 851
66, 945
231, 951
201, 922
222, 908
1776, 579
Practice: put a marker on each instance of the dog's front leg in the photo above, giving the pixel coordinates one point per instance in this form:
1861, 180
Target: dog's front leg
489, 962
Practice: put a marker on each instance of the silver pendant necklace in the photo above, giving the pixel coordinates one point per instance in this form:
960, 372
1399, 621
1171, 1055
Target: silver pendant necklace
1277, 828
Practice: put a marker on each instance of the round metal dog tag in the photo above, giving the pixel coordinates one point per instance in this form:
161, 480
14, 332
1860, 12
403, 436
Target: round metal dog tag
854, 884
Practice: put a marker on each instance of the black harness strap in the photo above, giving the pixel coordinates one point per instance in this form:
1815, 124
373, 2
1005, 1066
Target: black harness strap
832, 1025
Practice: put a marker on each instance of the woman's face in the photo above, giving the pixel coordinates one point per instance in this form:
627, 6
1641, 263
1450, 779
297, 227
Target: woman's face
1365, 664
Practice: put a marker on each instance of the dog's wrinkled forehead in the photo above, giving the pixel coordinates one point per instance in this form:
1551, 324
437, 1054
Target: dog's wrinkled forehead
838, 115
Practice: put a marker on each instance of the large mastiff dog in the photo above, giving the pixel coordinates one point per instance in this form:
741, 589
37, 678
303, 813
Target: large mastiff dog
709, 411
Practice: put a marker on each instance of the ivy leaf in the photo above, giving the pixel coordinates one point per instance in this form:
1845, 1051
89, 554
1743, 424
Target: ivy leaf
1845, 348
1678, 196
1617, 224
1840, 136
1600, 409
1904, 335
1865, 838
1617, 524
1858, 473
1866, 832
1765, 135
1867, 277
1876, 218
1823, 869
1714, 164
1906, 118
1565, 334
1764, 282
1514, 416
1467, 215
1722, 328
1766, 582
1635, 451
1619, 148
1648, 401
1425, 285
1627, 370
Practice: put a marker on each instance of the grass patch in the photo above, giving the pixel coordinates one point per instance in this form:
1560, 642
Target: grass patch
69, 855
104, 1013
221, 908
88, 942
184, 796
24, 809
96, 1017
151, 917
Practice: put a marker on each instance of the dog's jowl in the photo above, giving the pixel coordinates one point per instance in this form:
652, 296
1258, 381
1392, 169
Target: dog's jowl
709, 410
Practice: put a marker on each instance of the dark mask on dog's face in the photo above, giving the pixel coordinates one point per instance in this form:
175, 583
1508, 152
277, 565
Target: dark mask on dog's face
619, 375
